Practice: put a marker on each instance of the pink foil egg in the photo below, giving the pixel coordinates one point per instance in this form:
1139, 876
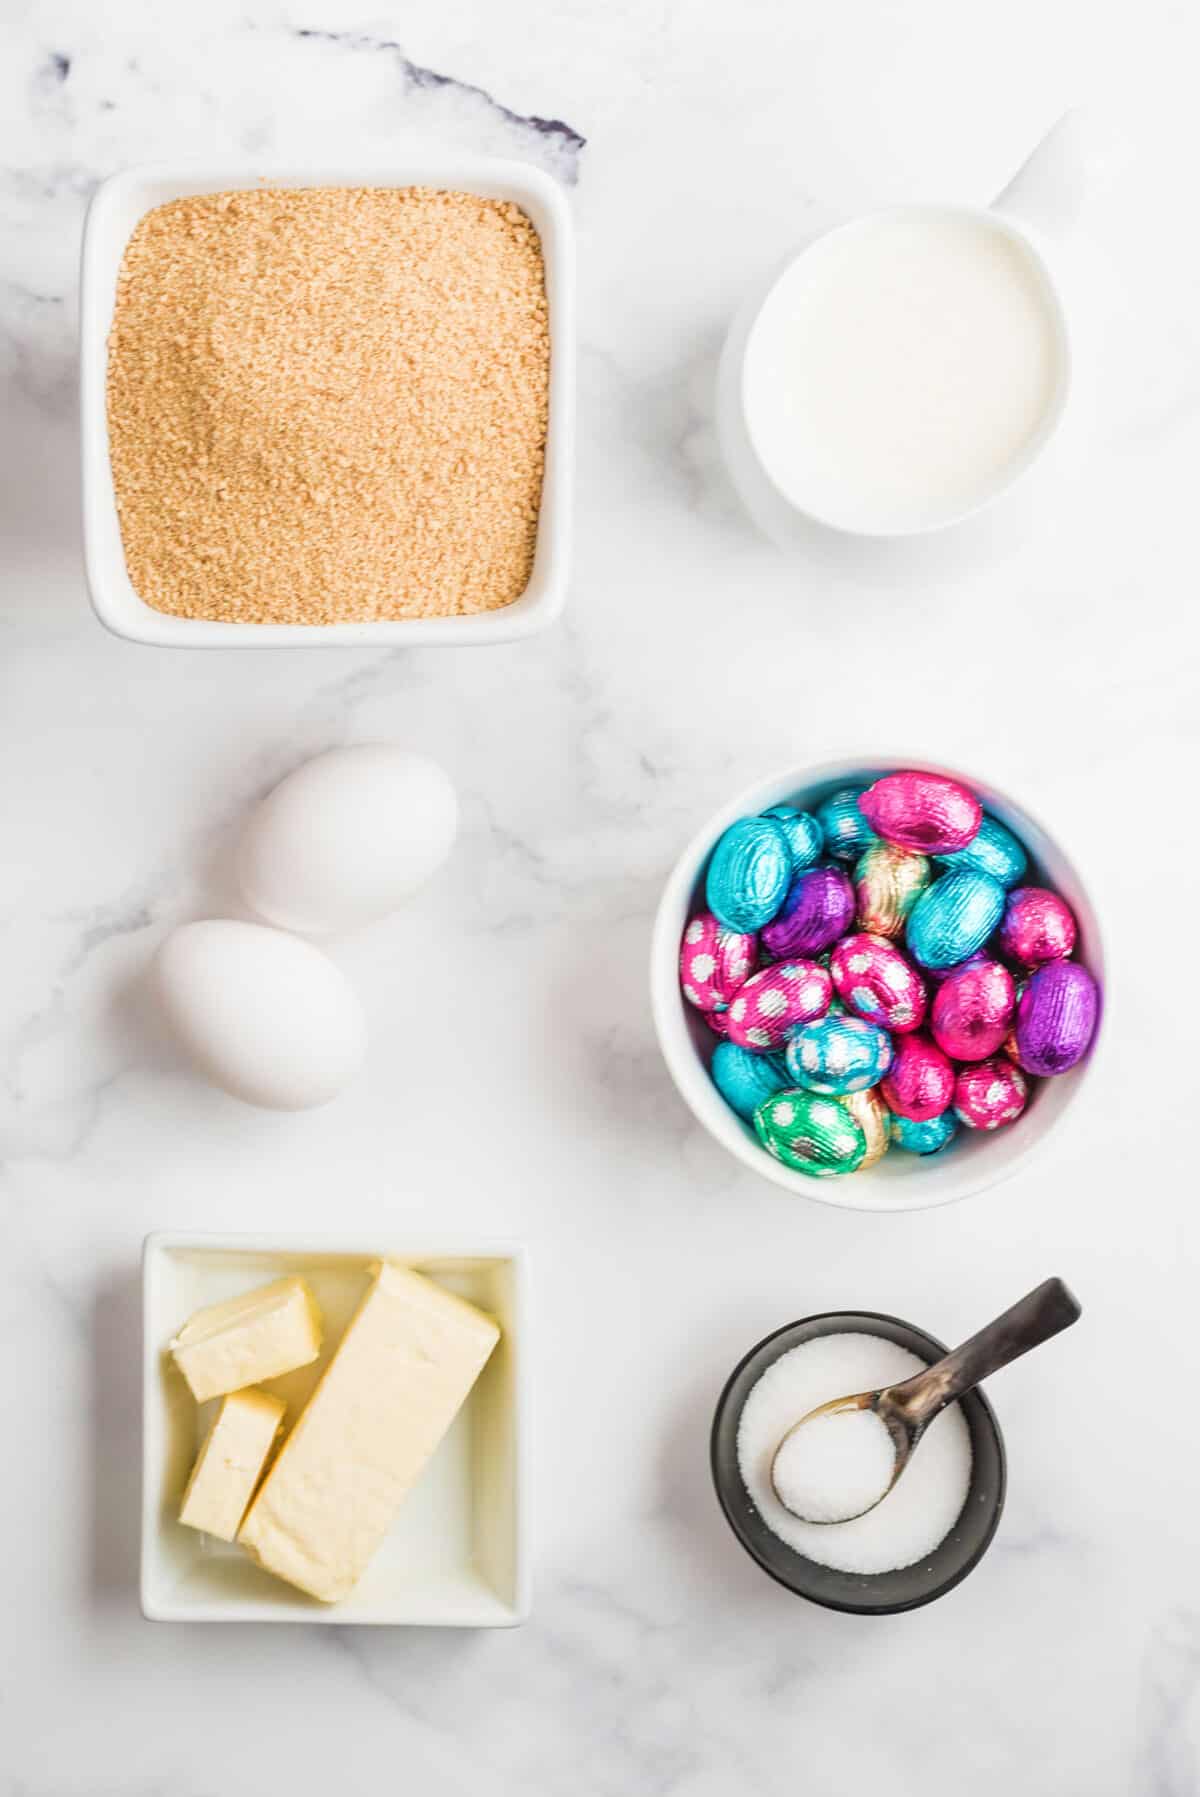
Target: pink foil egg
920, 1082
713, 962
1037, 927
989, 1094
769, 1006
927, 812
718, 1022
873, 979
972, 1010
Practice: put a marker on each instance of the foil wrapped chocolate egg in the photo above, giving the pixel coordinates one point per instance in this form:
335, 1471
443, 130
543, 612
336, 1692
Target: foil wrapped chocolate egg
873, 1118
819, 908
929, 1136
972, 1010
994, 850
888, 881
927, 812
806, 839
954, 917
1037, 927
836, 1055
873, 979
713, 962
718, 1021
1057, 1016
810, 1134
989, 1094
920, 1082
764, 1012
847, 832
745, 1079
749, 873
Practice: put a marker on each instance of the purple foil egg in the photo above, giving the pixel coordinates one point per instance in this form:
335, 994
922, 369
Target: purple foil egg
873, 979
1037, 927
1057, 1017
768, 1007
989, 1094
920, 1082
927, 812
818, 909
972, 1010
713, 962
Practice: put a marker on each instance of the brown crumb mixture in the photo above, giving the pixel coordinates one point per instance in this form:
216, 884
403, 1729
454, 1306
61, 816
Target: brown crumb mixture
329, 404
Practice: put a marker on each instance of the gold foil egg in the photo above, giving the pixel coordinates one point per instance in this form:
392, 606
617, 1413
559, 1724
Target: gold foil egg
888, 881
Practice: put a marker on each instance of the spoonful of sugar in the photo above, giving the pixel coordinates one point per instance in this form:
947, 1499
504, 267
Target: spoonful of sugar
843, 1458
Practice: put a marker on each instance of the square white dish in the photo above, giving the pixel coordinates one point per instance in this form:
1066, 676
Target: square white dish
115, 210
458, 1554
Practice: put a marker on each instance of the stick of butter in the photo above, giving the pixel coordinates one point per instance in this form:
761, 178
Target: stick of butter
230, 1463
409, 1357
246, 1340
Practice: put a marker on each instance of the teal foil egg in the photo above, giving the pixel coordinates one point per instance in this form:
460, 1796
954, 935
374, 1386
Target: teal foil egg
995, 851
749, 873
847, 832
954, 917
746, 1080
806, 839
929, 1137
838, 1055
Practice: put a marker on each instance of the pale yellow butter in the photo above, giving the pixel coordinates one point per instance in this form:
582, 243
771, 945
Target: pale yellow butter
248, 1339
230, 1463
405, 1365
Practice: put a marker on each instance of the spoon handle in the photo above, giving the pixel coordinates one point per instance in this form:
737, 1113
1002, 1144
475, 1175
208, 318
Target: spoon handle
1033, 1319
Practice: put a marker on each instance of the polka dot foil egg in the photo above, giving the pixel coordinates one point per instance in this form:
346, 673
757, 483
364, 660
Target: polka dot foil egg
810, 1134
837, 1055
874, 944
768, 1007
874, 980
714, 962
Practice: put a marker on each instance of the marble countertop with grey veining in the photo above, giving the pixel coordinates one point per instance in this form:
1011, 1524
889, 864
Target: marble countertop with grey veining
1056, 649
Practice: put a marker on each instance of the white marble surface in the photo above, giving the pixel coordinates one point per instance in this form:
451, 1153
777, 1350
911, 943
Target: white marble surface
1056, 648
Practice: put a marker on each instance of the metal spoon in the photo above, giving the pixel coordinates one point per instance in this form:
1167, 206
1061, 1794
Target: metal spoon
908, 1409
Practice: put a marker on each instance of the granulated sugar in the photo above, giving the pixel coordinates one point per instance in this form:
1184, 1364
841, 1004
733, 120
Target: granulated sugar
928, 1497
835, 1466
329, 404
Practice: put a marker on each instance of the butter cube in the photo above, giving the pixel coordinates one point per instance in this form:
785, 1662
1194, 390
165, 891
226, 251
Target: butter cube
226, 1347
230, 1463
408, 1359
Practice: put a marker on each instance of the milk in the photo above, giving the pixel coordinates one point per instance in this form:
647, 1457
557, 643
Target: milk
904, 368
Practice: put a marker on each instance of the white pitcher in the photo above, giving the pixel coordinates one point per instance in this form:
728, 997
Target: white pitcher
1037, 207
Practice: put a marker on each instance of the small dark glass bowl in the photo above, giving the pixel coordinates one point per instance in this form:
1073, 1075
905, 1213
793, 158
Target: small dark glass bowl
864, 1594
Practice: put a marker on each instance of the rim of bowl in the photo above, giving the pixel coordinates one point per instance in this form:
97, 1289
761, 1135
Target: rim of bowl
860, 1191
1032, 449
849, 1607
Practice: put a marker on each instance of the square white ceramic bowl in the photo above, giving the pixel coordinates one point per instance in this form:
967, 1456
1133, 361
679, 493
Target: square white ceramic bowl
115, 210
458, 1554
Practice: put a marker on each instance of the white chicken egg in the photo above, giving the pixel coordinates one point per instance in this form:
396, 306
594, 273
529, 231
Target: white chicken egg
343, 839
262, 1014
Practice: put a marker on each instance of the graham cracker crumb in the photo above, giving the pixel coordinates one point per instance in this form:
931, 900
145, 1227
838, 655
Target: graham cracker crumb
330, 404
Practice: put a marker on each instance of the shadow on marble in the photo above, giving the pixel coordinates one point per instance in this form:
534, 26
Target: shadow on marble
116, 1420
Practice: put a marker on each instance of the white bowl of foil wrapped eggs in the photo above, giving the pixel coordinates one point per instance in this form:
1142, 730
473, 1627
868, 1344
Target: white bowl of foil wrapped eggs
891, 1022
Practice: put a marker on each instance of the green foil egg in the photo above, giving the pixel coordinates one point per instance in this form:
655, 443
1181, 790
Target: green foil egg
888, 881
813, 1135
